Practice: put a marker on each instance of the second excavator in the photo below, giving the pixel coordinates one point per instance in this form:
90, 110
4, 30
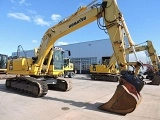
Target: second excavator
109, 71
127, 95
153, 69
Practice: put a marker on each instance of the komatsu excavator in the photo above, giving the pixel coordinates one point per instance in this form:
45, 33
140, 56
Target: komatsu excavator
110, 71
153, 70
127, 95
153, 74
107, 71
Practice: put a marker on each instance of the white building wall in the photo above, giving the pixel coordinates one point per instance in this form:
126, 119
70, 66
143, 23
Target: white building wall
97, 48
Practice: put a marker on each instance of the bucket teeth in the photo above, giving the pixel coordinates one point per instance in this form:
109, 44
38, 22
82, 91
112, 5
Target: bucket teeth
124, 100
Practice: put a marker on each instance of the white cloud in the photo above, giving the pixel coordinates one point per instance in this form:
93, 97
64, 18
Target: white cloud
34, 41
32, 11
20, 16
12, 1
55, 17
61, 43
22, 1
39, 21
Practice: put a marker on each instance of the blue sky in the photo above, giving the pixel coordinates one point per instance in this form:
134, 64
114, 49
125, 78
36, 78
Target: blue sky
23, 22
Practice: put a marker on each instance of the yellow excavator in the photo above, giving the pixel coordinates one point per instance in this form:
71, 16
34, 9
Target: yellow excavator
153, 69
127, 95
109, 71
154, 73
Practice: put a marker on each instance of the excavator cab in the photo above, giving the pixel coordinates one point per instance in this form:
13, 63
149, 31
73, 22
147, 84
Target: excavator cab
3, 63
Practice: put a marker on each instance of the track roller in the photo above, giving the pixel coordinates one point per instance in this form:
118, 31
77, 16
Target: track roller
27, 85
105, 77
61, 85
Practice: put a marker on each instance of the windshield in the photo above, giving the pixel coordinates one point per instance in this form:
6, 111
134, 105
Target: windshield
58, 60
3, 61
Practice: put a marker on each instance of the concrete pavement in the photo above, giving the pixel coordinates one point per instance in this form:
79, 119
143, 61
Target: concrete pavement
80, 103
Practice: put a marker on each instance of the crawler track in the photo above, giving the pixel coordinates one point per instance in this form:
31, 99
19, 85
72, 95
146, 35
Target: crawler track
105, 77
62, 85
27, 85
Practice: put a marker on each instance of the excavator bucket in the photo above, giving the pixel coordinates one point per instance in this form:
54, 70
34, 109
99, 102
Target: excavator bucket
122, 102
125, 99
155, 80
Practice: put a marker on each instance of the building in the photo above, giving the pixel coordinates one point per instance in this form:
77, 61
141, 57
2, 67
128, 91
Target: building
25, 53
83, 54
86, 53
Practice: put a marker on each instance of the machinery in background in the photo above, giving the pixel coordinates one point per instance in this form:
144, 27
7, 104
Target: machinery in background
69, 68
3, 63
149, 71
109, 70
153, 69
127, 95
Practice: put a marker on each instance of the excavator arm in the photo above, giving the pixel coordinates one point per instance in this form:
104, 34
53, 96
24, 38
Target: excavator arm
112, 17
151, 54
114, 25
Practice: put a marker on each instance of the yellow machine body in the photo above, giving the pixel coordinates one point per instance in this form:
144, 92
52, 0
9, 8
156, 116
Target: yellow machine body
23, 66
103, 69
